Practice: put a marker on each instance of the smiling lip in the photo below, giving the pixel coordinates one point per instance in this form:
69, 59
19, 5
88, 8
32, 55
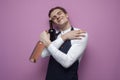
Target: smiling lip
60, 19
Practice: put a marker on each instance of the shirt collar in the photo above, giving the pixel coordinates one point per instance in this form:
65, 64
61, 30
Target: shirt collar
65, 31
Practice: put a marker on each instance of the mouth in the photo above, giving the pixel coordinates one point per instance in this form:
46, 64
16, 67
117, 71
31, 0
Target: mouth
60, 19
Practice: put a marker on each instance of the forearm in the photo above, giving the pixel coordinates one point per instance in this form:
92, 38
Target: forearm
45, 53
74, 53
57, 43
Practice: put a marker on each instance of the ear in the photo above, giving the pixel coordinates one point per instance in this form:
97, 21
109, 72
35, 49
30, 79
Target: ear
67, 15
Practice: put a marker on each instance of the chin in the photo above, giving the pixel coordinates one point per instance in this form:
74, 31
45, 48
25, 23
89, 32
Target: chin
63, 23
59, 24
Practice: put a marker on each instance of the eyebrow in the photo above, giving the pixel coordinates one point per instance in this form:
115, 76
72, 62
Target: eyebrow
57, 13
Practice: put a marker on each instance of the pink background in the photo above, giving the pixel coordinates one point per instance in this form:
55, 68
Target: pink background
21, 22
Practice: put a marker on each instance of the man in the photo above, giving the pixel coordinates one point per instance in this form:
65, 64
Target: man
66, 51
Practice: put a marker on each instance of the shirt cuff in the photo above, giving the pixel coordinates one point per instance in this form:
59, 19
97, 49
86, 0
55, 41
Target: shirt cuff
52, 49
58, 42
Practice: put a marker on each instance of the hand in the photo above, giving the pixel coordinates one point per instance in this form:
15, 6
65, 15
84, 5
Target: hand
45, 38
75, 34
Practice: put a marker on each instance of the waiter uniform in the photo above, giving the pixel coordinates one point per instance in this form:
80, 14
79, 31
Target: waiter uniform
63, 70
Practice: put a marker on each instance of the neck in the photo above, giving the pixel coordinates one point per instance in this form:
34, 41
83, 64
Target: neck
65, 26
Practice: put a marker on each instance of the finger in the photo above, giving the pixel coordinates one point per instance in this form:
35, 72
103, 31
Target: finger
82, 35
78, 31
79, 35
46, 31
78, 38
82, 31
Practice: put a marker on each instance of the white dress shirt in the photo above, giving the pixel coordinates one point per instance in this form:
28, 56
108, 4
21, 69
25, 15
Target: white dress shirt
75, 52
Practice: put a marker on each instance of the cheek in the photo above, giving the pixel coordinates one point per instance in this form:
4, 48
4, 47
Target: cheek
55, 21
65, 19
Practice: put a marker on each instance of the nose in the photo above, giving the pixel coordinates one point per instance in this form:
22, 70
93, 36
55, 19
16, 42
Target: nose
57, 16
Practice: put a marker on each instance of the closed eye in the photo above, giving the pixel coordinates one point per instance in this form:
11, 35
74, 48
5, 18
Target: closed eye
59, 13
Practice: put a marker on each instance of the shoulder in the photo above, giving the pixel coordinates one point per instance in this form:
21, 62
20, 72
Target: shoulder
83, 39
86, 33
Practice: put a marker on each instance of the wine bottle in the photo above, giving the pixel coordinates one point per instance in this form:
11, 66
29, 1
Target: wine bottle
40, 46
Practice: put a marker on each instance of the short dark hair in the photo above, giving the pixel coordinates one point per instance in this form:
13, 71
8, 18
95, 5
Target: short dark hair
58, 7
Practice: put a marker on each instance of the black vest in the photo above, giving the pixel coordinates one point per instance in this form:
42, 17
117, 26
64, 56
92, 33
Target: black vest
57, 72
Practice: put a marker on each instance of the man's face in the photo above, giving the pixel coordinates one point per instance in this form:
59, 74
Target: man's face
59, 17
